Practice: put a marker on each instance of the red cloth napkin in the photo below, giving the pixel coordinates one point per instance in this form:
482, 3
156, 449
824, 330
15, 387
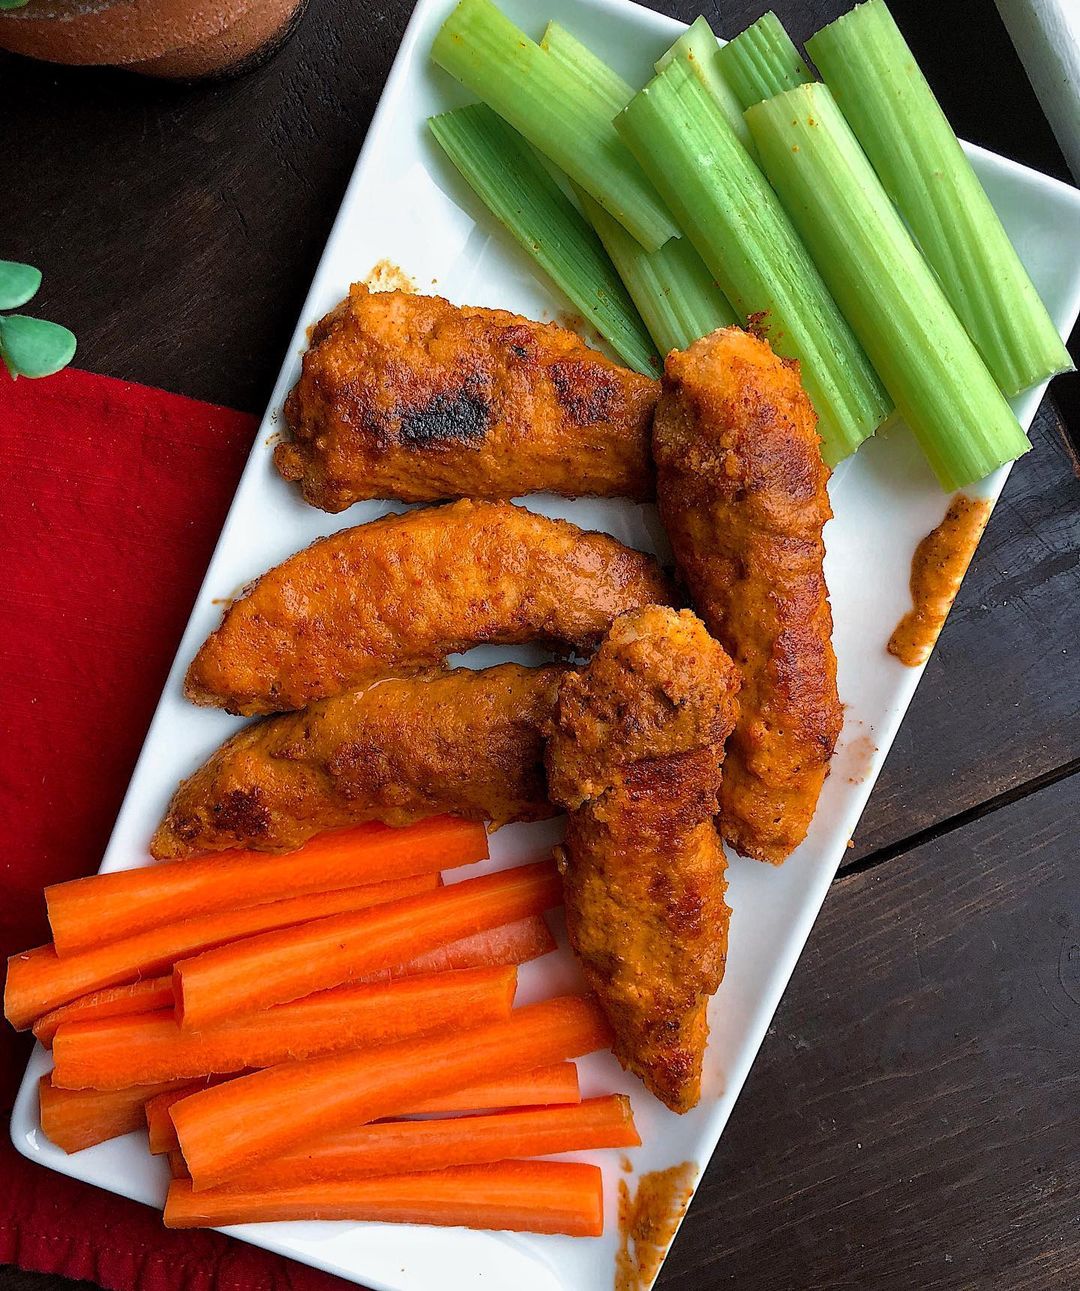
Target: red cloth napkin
113, 496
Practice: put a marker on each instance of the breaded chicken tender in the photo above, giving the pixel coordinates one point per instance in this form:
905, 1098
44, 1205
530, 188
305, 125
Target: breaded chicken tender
468, 742
634, 755
401, 593
410, 397
742, 493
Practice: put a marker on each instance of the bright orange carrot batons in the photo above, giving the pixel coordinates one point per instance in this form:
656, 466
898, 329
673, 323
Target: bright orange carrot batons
38, 981
161, 1133
285, 965
109, 907
228, 1129
400, 1147
177, 1165
145, 1048
74, 1119
518, 1196
159, 1127
542, 1087
546, 1086
513, 943
145, 996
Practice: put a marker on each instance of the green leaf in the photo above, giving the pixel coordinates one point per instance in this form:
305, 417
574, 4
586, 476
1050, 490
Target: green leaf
32, 347
13, 4
18, 282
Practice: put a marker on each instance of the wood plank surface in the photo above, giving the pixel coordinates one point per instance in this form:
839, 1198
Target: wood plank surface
912, 1118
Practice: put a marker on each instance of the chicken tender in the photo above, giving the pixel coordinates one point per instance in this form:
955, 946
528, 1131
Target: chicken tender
410, 397
742, 493
465, 741
634, 754
399, 594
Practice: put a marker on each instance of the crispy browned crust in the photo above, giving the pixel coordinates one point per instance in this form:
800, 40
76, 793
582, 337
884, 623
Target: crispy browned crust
742, 492
401, 593
634, 755
410, 397
464, 741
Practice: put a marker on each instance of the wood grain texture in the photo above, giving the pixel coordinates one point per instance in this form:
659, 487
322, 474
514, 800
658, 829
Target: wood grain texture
906, 1125
911, 1121
178, 227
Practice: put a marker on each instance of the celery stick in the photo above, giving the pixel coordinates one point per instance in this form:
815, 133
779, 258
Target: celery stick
734, 219
674, 293
762, 61
512, 181
590, 70
697, 47
890, 296
867, 64
551, 107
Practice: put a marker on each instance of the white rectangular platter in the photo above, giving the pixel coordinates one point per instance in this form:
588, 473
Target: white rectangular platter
405, 204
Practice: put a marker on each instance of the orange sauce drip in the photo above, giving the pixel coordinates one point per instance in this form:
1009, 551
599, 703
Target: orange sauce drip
647, 1222
937, 570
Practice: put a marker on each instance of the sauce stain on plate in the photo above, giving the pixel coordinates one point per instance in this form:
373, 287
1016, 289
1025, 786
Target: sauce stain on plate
648, 1219
937, 570
859, 754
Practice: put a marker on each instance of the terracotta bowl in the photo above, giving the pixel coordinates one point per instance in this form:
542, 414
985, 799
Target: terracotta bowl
160, 37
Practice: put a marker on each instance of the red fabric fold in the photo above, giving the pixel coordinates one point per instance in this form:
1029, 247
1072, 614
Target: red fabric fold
112, 498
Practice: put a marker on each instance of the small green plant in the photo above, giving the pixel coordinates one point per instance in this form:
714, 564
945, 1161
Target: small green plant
13, 4
30, 347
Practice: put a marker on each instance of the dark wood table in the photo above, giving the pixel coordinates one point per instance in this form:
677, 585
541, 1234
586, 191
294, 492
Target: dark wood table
912, 1119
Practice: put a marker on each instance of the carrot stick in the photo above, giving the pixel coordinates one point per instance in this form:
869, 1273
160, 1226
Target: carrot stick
109, 907
144, 996
74, 1119
556, 1083
403, 1147
234, 1126
177, 1165
519, 1196
513, 943
116, 1052
38, 981
285, 965
161, 1132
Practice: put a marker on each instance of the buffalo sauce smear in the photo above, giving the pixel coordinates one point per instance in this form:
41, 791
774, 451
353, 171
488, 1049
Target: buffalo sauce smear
647, 1222
937, 570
